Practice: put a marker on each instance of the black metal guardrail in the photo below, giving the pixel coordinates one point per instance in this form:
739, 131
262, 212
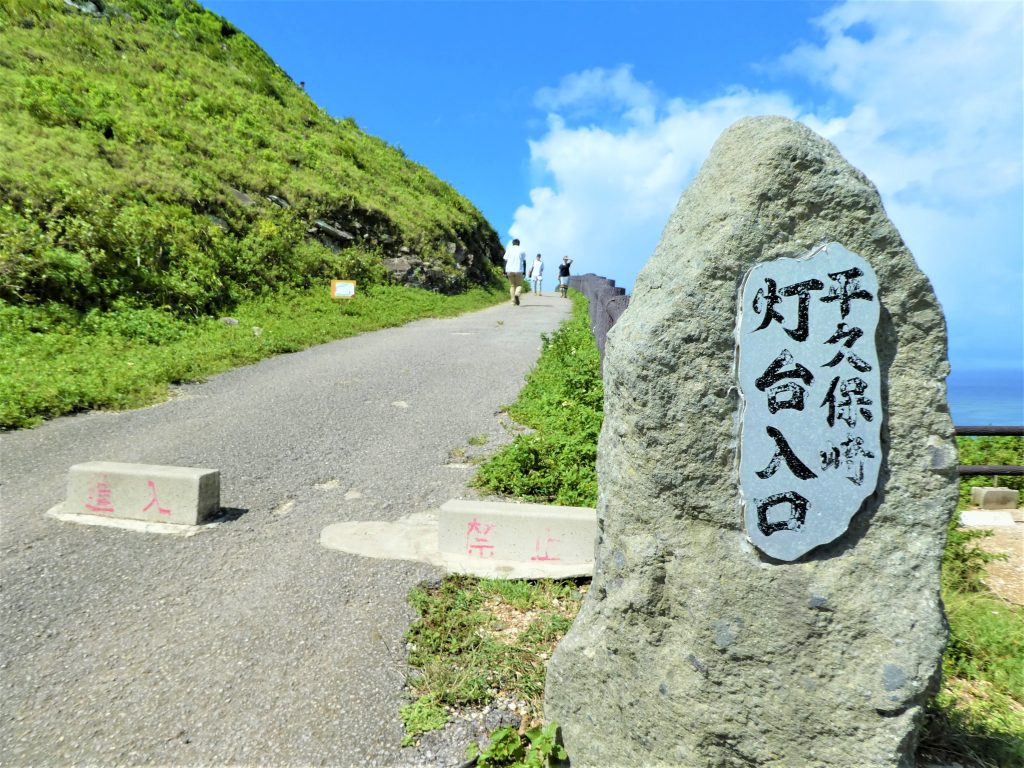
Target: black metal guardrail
607, 303
1013, 470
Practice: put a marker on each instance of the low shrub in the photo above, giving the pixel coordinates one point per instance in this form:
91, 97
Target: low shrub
992, 450
562, 403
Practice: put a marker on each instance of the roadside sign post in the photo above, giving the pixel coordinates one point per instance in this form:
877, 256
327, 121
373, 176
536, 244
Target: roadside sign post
343, 289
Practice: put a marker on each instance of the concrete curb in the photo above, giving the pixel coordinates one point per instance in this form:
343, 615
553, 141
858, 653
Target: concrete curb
440, 539
537, 533
152, 493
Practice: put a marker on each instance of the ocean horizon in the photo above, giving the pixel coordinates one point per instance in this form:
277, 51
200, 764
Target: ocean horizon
986, 397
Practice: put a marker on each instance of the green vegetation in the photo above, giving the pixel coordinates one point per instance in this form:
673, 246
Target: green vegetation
55, 360
159, 171
982, 451
422, 716
977, 718
479, 638
562, 403
537, 748
154, 154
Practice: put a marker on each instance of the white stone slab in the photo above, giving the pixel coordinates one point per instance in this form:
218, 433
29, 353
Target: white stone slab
809, 375
986, 518
138, 526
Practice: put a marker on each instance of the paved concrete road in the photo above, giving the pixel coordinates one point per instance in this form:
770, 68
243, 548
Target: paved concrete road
248, 643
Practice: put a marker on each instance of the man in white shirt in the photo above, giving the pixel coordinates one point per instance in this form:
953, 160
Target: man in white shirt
514, 269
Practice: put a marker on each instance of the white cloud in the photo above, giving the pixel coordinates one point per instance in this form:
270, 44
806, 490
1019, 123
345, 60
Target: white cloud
612, 187
937, 88
586, 92
934, 118
937, 125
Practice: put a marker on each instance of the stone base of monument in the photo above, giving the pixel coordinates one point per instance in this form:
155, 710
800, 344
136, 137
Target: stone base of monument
146, 497
481, 538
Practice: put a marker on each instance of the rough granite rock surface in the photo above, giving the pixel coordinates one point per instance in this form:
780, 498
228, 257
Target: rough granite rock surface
691, 648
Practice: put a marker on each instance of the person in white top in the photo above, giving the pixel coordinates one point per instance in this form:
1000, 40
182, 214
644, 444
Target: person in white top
514, 269
537, 274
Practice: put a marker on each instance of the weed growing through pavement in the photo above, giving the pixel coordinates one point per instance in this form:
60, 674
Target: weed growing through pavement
421, 716
536, 748
480, 639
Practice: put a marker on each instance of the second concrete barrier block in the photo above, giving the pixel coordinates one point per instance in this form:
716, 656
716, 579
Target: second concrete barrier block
517, 532
988, 497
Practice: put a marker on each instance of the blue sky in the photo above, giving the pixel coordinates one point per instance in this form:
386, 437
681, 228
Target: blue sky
576, 125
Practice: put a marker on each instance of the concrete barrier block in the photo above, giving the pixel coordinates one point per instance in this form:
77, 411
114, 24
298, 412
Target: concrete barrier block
988, 497
535, 533
149, 492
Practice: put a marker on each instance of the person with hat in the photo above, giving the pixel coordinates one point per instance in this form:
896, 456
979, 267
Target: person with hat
563, 275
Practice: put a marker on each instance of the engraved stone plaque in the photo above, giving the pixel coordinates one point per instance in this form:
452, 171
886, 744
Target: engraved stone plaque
810, 446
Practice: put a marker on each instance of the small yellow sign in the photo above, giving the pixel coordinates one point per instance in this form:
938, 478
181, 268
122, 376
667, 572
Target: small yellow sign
343, 289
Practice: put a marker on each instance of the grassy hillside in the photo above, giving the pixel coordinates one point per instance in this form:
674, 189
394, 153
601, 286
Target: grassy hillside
154, 156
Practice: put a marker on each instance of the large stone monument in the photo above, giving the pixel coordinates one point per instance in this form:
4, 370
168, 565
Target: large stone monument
776, 472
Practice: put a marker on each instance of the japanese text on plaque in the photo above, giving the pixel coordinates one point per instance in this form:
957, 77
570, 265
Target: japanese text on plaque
810, 444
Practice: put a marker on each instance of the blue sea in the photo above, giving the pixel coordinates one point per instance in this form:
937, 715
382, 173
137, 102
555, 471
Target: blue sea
987, 397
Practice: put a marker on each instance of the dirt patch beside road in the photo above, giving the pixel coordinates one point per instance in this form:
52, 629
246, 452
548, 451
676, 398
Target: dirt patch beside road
1006, 577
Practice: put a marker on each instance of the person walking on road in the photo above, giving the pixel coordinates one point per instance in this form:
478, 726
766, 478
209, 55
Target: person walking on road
563, 275
514, 268
537, 275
